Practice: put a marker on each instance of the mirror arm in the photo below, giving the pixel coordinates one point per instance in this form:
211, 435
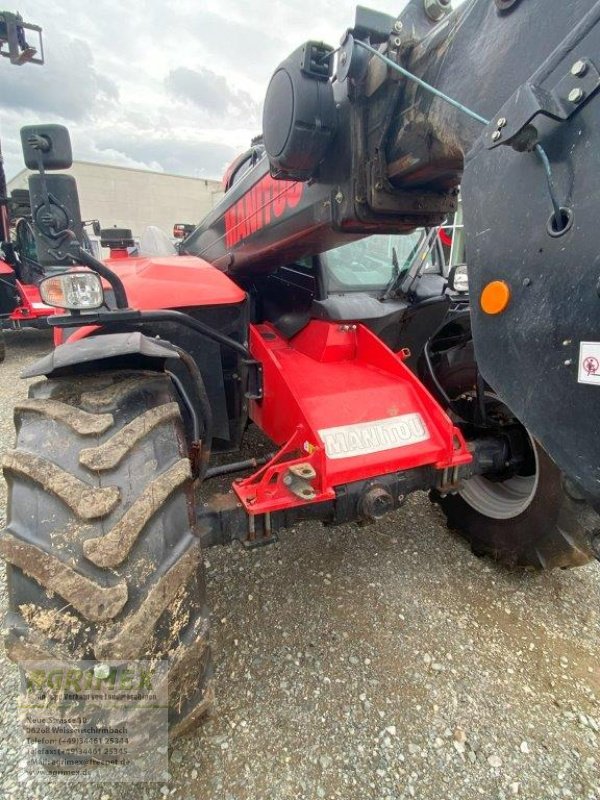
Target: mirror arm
41, 145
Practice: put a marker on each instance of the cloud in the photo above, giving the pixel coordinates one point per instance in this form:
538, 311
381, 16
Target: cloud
173, 85
249, 46
181, 156
209, 92
67, 86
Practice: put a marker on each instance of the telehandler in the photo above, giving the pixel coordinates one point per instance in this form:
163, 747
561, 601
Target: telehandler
297, 305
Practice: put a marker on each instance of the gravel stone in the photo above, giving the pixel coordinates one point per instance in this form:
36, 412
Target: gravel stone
332, 690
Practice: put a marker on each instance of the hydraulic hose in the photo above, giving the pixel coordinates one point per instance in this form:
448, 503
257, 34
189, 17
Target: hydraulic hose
206, 435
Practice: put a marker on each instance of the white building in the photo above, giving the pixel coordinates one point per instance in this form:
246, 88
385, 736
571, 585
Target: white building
136, 198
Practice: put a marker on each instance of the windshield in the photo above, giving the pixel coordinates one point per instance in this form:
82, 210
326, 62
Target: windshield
369, 264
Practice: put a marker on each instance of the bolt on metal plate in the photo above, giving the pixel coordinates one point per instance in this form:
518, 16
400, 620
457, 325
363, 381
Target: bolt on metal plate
579, 68
576, 95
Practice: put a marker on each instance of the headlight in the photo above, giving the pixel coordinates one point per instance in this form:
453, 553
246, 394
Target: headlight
73, 290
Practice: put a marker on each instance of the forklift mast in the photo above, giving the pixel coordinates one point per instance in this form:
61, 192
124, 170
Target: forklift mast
376, 135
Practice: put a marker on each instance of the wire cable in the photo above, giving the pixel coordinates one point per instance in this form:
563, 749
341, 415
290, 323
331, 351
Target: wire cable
427, 86
539, 150
548, 170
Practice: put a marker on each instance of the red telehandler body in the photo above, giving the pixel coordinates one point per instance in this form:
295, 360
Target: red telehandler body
312, 301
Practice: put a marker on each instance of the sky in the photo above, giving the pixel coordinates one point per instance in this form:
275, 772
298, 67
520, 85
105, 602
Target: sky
168, 85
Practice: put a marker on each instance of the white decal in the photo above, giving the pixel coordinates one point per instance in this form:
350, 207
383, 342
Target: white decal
374, 437
589, 363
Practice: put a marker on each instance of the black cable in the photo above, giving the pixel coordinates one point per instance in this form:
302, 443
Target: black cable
548, 170
480, 388
134, 316
238, 466
185, 399
205, 407
434, 377
171, 315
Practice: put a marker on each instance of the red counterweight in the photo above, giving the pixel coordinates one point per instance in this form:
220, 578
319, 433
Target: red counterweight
343, 408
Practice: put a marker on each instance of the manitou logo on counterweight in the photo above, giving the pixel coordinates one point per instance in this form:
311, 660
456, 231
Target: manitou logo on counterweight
374, 437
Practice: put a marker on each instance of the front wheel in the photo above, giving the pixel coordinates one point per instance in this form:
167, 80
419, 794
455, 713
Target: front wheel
103, 556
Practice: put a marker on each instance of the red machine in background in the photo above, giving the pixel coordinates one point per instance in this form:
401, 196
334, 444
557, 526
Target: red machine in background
20, 300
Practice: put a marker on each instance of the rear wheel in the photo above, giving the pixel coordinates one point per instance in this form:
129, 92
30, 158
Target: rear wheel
525, 520
529, 517
103, 558
2, 345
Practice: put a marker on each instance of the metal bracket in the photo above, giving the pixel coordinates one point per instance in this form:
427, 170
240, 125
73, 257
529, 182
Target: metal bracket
289, 472
262, 537
383, 197
449, 481
297, 480
223, 520
513, 123
254, 370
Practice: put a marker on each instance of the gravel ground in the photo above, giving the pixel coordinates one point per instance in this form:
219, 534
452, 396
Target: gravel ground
377, 662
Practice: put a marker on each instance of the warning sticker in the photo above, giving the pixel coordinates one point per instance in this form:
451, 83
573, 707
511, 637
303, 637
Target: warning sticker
589, 363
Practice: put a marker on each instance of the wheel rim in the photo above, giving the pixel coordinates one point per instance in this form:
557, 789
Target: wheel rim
502, 499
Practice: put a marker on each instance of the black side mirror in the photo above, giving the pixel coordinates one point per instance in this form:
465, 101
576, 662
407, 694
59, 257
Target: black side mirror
458, 279
50, 144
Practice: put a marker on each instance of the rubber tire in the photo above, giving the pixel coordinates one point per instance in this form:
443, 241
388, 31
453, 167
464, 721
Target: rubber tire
554, 531
164, 556
2, 346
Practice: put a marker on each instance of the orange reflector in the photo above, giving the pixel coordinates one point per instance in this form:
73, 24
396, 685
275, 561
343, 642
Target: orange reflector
495, 297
